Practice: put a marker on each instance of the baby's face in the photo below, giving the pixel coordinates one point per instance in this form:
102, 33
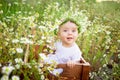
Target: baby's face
68, 34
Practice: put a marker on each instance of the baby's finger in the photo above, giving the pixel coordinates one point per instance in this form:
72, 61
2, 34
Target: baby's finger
70, 64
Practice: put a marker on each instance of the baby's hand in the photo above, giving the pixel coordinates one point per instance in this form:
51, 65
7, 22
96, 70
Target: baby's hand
71, 64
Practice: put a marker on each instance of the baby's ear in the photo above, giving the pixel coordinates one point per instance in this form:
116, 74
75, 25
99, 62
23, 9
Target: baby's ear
58, 34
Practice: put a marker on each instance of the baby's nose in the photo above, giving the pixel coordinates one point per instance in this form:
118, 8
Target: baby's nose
69, 32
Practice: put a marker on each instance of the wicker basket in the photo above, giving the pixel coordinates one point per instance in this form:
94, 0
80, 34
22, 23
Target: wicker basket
78, 72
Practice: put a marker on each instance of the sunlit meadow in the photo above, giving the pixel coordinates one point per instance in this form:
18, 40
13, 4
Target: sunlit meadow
27, 26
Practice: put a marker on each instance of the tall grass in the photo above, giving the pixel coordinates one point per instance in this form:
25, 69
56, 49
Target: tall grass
24, 22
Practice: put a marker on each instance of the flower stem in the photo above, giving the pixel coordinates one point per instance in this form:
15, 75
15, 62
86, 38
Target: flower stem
26, 54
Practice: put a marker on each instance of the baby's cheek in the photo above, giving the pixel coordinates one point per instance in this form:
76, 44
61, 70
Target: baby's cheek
75, 36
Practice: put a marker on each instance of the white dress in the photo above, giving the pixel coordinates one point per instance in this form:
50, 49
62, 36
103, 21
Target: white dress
64, 54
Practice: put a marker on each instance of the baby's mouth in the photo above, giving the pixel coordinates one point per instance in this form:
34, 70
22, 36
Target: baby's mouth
69, 38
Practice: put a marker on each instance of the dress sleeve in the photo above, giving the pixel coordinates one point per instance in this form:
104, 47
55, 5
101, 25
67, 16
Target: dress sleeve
77, 55
57, 44
51, 59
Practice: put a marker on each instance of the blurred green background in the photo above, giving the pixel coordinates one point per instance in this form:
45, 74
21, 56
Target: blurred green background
99, 39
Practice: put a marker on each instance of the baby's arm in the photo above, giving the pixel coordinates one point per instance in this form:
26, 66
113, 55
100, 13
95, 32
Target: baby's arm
83, 60
75, 60
72, 63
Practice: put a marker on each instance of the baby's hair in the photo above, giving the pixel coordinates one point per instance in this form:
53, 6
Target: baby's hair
70, 20
67, 20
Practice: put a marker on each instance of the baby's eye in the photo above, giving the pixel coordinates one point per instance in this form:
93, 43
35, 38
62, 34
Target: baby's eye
65, 30
73, 30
